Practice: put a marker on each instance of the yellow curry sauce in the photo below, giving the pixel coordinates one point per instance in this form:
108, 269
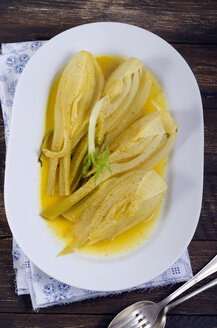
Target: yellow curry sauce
59, 226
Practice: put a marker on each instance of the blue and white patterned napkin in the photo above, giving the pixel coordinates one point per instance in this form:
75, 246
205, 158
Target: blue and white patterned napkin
44, 290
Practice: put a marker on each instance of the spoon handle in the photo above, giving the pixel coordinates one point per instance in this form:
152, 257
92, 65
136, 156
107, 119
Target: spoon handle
194, 293
210, 268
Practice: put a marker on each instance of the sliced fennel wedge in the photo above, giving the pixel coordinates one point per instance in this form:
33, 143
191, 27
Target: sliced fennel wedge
147, 199
107, 170
126, 92
159, 147
132, 198
79, 88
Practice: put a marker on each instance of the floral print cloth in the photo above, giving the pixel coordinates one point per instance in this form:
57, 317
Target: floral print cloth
44, 290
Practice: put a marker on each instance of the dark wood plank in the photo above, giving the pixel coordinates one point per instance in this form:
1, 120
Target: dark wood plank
42, 321
185, 21
174, 321
202, 60
205, 71
200, 252
95, 321
207, 227
4, 229
210, 132
192, 22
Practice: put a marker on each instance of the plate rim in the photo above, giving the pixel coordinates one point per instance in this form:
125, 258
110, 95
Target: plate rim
8, 152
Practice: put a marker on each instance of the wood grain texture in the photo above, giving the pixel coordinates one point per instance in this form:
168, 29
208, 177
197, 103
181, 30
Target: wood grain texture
207, 226
210, 132
202, 60
185, 21
200, 253
94, 321
191, 27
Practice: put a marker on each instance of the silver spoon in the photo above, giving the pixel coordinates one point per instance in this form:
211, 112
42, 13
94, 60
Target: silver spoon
144, 314
161, 319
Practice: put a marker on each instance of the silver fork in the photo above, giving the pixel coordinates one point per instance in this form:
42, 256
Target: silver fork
143, 315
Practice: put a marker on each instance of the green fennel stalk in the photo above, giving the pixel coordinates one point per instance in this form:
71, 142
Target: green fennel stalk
94, 158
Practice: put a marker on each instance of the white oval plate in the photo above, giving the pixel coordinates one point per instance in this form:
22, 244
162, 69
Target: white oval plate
185, 171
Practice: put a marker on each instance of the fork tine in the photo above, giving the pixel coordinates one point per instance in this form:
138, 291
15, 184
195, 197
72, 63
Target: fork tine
135, 322
144, 323
129, 324
129, 320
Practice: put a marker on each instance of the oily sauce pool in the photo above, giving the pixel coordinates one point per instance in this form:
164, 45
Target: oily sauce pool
59, 226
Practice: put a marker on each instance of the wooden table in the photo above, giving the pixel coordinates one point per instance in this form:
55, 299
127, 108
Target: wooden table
191, 27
